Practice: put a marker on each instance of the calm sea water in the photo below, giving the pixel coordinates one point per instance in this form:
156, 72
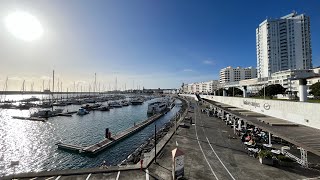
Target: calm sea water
33, 143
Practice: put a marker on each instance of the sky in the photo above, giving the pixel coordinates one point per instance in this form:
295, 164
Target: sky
145, 43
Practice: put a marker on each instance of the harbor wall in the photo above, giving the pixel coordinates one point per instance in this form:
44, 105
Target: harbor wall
304, 113
190, 96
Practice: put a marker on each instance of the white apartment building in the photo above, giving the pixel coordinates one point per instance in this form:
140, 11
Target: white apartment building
283, 44
200, 87
230, 74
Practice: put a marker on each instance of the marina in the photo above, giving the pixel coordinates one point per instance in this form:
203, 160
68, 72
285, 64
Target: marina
109, 141
76, 132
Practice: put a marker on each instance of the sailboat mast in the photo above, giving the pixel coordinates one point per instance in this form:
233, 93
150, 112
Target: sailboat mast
61, 90
95, 83
53, 81
116, 85
52, 89
42, 85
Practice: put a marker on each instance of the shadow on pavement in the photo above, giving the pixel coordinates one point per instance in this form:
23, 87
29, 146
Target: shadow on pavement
238, 150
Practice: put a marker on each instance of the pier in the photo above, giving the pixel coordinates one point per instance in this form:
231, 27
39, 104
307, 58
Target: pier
102, 145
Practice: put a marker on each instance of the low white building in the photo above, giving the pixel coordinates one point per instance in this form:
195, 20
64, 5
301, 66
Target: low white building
230, 74
170, 91
287, 78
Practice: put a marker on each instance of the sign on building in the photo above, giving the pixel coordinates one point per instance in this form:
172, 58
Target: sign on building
177, 164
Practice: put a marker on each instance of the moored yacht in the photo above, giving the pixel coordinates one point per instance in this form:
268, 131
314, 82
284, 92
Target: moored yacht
125, 103
115, 104
45, 113
89, 107
24, 106
82, 112
103, 108
136, 101
157, 107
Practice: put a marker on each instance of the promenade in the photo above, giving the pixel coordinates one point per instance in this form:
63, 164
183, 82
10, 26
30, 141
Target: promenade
209, 154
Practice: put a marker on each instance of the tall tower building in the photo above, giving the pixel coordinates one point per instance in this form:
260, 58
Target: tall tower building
283, 44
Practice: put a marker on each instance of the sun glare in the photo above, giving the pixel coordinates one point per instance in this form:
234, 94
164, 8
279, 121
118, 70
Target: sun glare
23, 26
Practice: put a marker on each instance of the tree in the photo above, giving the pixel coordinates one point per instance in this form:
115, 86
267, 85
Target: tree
219, 92
233, 91
272, 90
315, 89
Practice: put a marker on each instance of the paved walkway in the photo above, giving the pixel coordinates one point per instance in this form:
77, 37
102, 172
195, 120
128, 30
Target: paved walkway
210, 154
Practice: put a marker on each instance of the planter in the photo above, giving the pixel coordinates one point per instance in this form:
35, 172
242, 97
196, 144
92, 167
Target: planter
266, 161
286, 163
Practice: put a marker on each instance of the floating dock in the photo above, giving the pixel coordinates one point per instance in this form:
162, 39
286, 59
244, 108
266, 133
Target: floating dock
69, 114
70, 147
30, 118
42, 119
102, 145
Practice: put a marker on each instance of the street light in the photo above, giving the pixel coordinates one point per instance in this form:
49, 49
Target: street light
14, 164
264, 91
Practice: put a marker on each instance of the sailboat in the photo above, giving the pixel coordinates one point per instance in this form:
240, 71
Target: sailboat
6, 104
24, 105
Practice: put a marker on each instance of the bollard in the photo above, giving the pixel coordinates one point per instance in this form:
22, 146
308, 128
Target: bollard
141, 164
107, 133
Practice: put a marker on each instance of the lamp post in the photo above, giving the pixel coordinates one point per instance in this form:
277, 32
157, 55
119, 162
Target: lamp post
233, 91
155, 143
14, 164
264, 91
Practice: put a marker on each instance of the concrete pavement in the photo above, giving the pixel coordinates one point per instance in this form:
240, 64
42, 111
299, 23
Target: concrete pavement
209, 154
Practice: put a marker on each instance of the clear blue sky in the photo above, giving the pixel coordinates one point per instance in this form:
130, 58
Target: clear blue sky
155, 43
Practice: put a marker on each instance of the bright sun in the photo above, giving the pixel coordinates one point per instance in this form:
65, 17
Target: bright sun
23, 26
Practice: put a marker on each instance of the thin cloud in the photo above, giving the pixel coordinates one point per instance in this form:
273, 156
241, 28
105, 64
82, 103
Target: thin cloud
187, 70
15, 78
45, 77
81, 82
207, 62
